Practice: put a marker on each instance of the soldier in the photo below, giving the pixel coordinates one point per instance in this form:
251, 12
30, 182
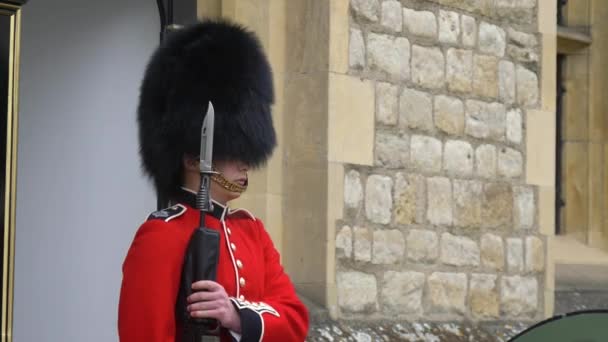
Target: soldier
253, 299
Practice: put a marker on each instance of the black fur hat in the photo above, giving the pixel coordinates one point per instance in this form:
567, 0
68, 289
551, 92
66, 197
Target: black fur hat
215, 61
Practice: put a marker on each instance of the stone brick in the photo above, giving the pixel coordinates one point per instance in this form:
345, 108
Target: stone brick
391, 15
420, 23
392, 151
425, 153
357, 291
458, 158
459, 70
515, 255
527, 87
449, 114
517, 11
510, 163
467, 203
416, 110
523, 55
449, 27
386, 97
524, 208
428, 66
353, 190
506, 82
485, 120
356, 49
492, 252
519, 296
522, 46
514, 126
363, 244
492, 39
474, 6
410, 197
485, 157
344, 243
422, 245
485, 76
378, 199
402, 292
483, 296
447, 292
535, 254
388, 247
521, 38
367, 9
469, 30
459, 251
497, 205
389, 54
439, 195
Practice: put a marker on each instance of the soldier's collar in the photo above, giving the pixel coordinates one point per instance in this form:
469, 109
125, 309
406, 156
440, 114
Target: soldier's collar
187, 196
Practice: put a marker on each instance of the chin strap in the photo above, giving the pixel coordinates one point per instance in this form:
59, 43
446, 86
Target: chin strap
226, 184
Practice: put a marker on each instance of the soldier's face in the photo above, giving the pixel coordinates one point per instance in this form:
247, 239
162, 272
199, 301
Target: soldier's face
233, 171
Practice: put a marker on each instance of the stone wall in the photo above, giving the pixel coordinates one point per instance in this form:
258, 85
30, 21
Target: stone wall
443, 226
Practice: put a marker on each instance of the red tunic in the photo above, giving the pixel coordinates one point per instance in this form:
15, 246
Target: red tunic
249, 269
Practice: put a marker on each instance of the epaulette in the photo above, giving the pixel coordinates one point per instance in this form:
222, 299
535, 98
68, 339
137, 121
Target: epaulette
168, 214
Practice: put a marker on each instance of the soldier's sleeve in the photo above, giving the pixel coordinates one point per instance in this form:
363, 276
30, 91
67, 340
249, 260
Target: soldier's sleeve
280, 316
151, 274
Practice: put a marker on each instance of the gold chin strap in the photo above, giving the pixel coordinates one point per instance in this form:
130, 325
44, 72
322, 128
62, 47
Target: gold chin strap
226, 184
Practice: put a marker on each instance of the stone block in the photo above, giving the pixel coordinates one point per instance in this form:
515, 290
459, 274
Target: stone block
389, 55
492, 252
458, 158
439, 195
447, 292
388, 247
410, 198
485, 161
392, 151
483, 296
402, 292
467, 203
416, 110
344, 243
357, 291
378, 199
485, 76
422, 245
519, 296
387, 108
363, 244
353, 190
459, 70
449, 114
426, 153
420, 23
497, 205
428, 65
449, 27
459, 251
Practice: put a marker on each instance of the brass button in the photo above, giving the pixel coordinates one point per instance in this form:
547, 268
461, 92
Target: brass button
242, 282
239, 264
228, 230
233, 246
241, 297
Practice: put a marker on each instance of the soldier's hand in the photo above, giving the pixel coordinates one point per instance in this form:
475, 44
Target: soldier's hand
210, 300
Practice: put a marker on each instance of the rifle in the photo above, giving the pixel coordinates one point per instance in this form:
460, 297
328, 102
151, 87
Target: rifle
201, 258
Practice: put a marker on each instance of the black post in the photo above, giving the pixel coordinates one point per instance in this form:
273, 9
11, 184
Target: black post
559, 202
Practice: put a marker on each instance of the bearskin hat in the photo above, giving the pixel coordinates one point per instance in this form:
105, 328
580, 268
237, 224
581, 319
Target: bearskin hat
215, 61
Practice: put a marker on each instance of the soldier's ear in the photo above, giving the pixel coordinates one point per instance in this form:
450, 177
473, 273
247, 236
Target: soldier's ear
190, 163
